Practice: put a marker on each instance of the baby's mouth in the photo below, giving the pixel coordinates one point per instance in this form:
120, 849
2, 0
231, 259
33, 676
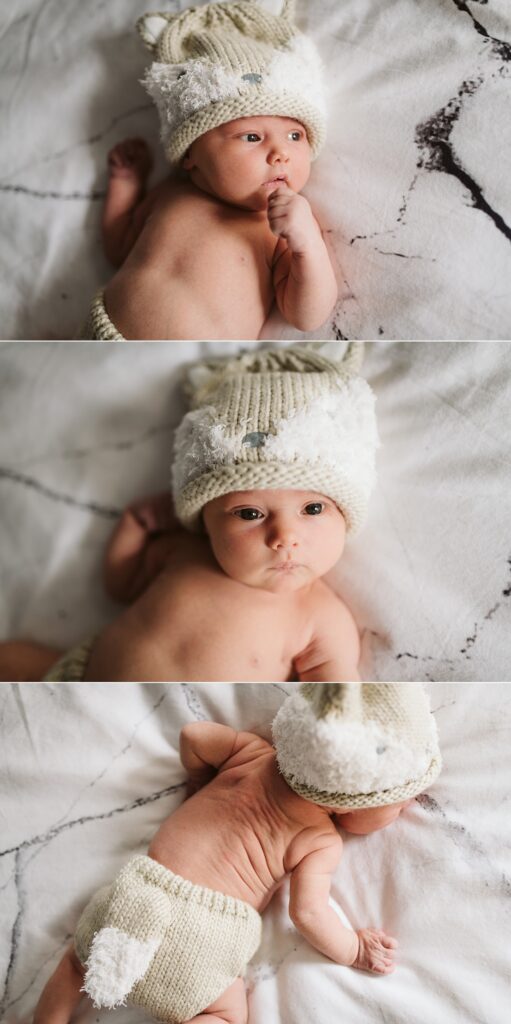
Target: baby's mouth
281, 179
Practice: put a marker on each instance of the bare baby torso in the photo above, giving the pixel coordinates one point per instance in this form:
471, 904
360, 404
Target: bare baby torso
200, 268
238, 834
196, 623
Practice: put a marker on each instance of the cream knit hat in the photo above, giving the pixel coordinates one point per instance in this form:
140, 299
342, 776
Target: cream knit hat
355, 745
216, 63
288, 418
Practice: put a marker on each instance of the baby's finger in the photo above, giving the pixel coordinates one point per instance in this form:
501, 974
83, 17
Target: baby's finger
277, 203
281, 194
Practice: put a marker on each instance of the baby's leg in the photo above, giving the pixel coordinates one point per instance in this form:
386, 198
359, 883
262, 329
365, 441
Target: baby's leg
61, 993
25, 662
129, 166
230, 1008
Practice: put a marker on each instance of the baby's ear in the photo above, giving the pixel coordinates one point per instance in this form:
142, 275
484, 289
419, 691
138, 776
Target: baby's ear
150, 28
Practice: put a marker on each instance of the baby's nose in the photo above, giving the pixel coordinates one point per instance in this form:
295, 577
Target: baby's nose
283, 537
278, 155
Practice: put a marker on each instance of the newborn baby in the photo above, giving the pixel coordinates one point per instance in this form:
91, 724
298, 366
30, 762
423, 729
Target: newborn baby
204, 254
175, 931
273, 468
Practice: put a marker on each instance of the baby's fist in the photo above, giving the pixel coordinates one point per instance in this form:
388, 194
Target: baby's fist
290, 217
375, 951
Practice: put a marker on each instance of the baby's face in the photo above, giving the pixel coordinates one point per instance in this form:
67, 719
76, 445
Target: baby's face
243, 161
370, 819
278, 541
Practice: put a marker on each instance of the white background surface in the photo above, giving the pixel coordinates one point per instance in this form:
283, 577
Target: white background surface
89, 772
412, 187
87, 428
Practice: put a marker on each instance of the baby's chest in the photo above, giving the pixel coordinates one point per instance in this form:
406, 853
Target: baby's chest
266, 641
200, 237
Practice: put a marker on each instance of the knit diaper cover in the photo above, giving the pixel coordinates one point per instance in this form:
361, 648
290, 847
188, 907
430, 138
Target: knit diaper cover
155, 940
98, 326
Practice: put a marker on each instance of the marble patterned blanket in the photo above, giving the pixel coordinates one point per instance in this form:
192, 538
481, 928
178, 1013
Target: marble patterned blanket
412, 188
89, 772
87, 428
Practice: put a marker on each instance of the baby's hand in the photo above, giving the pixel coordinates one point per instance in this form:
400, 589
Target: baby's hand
290, 217
375, 951
155, 514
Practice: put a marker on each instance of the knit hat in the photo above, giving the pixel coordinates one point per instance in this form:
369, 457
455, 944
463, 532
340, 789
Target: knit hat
216, 63
354, 745
288, 418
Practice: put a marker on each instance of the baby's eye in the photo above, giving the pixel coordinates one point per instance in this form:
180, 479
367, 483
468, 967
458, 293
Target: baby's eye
248, 513
295, 135
251, 137
314, 509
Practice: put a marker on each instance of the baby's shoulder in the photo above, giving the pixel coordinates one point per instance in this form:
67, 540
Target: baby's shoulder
320, 835
327, 609
333, 645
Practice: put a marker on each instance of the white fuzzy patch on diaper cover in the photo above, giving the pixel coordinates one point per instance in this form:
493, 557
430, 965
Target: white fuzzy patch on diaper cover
115, 962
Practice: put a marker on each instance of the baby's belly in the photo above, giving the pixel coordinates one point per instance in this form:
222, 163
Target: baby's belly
132, 649
218, 290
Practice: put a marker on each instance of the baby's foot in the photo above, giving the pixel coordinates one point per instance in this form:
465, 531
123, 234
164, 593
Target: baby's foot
375, 952
130, 159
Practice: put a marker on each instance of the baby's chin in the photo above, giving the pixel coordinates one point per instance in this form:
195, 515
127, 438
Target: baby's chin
281, 582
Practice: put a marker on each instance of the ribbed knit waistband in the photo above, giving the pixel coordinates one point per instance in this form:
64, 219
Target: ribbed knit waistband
163, 878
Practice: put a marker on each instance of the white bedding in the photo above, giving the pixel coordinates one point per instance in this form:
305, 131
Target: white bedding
89, 772
87, 428
412, 187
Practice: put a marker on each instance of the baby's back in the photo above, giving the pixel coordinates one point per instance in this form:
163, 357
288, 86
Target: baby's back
235, 834
200, 268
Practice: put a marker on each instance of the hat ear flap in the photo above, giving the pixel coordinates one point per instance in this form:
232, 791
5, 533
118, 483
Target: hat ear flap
288, 11
151, 28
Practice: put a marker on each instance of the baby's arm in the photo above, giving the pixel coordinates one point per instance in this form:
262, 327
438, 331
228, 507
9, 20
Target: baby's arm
369, 949
139, 546
126, 205
333, 652
303, 277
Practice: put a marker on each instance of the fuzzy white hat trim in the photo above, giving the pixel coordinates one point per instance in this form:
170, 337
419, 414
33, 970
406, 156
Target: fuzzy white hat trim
345, 756
339, 431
